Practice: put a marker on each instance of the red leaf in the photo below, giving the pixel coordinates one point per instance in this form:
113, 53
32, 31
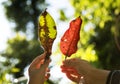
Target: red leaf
68, 43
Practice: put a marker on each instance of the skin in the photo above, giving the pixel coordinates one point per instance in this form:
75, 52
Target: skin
38, 70
76, 68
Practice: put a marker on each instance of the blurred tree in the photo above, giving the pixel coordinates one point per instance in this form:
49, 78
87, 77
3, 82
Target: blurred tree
101, 22
100, 37
24, 13
22, 50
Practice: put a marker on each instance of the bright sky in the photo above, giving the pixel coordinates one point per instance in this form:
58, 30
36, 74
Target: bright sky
5, 27
61, 27
53, 10
6, 30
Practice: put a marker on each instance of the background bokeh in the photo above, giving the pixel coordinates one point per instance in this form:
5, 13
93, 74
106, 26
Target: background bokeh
99, 37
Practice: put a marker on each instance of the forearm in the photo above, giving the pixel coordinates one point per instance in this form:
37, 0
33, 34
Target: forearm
37, 78
99, 76
36, 81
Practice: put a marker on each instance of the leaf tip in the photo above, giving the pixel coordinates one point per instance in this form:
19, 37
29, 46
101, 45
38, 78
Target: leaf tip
45, 9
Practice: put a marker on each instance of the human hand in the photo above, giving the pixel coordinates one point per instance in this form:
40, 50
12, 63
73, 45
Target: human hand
88, 73
38, 70
71, 68
71, 73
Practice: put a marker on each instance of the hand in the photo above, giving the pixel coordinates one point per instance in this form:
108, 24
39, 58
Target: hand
71, 73
71, 68
83, 68
38, 70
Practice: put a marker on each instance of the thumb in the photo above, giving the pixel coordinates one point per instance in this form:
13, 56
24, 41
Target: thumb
45, 64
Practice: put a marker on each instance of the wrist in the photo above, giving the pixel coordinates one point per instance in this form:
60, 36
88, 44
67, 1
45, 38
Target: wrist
99, 76
36, 80
33, 81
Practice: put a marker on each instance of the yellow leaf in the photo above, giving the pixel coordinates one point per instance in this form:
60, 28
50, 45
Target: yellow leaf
46, 31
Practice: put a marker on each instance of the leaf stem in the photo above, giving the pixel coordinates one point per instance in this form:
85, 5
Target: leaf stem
65, 57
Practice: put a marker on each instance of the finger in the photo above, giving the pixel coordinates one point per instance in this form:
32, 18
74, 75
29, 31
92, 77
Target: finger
47, 76
37, 61
71, 71
71, 77
74, 76
66, 67
47, 70
63, 67
69, 62
72, 63
45, 65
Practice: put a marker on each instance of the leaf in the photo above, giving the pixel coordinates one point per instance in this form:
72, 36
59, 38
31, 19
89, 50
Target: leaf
46, 32
68, 43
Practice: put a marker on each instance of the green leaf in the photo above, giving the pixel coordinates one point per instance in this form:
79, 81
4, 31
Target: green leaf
15, 69
46, 31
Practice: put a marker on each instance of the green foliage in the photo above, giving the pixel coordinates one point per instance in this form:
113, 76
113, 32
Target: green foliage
21, 52
24, 12
102, 17
62, 15
100, 35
